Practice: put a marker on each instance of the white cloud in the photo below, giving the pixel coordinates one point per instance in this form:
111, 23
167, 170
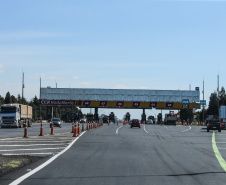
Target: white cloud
85, 83
29, 35
75, 77
2, 69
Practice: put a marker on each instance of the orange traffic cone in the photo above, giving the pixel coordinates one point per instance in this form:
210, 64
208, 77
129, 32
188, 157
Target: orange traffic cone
75, 131
41, 129
52, 128
78, 128
25, 130
72, 131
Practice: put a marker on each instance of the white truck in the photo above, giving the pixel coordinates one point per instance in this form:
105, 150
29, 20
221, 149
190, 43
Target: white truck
222, 116
16, 115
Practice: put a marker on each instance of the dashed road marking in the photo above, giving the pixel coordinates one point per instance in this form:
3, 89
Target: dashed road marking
118, 129
187, 129
145, 129
165, 126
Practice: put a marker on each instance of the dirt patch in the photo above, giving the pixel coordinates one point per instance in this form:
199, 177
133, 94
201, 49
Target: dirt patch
11, 163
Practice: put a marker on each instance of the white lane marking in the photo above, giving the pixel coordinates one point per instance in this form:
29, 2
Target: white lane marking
63, 141
49, 153
34, 145
28, 149
145, 129
118, 129
165, 126
187, 129
19, 180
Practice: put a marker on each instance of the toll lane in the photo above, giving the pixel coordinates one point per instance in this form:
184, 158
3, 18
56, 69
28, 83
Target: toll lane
133, 156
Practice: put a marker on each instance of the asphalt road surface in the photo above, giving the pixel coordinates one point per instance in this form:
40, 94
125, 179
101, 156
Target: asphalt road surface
153, 154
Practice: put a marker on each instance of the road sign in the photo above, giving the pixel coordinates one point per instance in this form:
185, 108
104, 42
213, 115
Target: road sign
197, 88
185, 101
202, 102
169, 105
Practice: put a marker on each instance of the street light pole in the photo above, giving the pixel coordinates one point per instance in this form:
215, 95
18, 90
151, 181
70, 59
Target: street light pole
203, 101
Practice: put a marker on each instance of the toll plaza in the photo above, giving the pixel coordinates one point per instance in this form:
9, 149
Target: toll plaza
120, 98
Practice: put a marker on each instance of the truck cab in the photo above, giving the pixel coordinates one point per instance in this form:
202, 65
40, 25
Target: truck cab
15, 115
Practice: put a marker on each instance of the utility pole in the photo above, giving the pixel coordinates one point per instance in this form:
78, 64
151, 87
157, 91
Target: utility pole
218, 95
23, 88
40, 116
203, 100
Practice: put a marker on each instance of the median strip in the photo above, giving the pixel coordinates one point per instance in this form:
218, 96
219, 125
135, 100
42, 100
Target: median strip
217, 153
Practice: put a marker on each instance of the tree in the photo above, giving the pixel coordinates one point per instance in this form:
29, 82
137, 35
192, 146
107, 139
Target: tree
213, 105
13, 98
222, 96
19, 100
1, 100
8, 98
186, 114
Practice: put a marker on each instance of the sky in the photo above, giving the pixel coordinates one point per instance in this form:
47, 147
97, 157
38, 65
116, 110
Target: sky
120, 44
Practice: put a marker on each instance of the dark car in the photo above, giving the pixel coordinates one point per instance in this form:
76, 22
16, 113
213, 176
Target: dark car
56, 122
213, 125
135, 123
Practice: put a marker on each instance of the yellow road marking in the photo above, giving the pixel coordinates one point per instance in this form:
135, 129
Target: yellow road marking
217, 153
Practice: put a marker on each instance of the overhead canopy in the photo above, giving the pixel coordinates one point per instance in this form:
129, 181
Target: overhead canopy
126, 95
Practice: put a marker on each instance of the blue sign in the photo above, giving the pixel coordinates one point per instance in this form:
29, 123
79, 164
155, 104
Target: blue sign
185, 101
202, 102
197, 88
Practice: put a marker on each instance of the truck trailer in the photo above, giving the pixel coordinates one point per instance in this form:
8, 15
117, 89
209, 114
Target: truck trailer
16, 115
222, 116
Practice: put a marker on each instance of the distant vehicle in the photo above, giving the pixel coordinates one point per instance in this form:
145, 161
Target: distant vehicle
222, 117
82, 120
112, 117
135, 123
16, 115
170, 119
56, 122
151, 120
130, 122
213, 125
105, 119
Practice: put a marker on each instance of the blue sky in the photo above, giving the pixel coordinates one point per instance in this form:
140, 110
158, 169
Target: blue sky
141, 44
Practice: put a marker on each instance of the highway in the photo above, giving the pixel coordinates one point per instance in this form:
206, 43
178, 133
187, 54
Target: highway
117, 154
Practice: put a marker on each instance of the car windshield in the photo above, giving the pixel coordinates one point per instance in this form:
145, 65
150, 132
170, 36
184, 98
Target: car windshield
56, 119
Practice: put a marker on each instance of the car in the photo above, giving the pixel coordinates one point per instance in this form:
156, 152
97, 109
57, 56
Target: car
130, 122
150, 121
223, 126
56, 122
213, 125
135, 123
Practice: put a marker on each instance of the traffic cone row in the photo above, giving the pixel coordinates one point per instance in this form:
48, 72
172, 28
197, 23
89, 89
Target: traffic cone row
75, 128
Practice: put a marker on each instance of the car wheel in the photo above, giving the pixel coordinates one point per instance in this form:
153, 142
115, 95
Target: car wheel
131, 126
208, 130
219, 130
